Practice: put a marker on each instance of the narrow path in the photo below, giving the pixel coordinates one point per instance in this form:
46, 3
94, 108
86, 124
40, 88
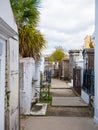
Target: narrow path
61, 106
59, 84
61, 118
61, 89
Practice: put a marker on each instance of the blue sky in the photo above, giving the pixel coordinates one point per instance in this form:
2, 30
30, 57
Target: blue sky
66, 22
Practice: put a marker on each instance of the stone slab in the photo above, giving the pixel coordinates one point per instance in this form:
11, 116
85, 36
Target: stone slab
40, 112
68, 101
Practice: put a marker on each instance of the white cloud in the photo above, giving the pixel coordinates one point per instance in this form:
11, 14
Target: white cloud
66, 22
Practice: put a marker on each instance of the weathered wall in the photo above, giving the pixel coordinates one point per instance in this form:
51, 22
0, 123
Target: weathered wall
10, 79
13, 65
66, 68
2, 83
73, 55
9, 32
27, 90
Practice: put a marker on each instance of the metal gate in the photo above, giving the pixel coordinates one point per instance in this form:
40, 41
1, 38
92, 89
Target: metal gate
88, 82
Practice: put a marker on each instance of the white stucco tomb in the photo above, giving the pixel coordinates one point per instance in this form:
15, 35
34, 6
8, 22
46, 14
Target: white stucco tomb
9, 69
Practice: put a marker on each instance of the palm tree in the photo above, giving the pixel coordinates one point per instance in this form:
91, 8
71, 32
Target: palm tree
31, 42
26, 12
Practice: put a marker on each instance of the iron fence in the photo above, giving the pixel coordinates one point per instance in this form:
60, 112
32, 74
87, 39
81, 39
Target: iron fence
88, 82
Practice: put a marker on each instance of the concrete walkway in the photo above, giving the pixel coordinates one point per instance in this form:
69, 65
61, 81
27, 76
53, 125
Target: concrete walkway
68, 101
58, 123
59, 84
60, 88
